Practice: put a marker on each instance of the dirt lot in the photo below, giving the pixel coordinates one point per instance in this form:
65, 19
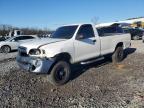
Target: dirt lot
97, 85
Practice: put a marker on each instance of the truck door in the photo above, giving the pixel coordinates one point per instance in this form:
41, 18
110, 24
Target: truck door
86, 44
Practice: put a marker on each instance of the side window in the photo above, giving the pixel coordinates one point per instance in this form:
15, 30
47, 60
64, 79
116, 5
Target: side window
17, 39
21, 38
24, 37
86, 31
28, 37
18, 33
108, 31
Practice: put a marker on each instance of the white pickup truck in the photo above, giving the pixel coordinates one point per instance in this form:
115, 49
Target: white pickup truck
68, 45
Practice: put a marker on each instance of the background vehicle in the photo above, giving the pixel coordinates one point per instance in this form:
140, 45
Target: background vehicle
2, 38
136, 33
68, 45
15, 33
13, 42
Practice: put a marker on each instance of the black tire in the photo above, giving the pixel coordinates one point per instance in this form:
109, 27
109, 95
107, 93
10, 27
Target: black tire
118, 55
5, 49
60, 73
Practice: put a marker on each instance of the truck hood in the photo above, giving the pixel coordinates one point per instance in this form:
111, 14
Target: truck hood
40, 42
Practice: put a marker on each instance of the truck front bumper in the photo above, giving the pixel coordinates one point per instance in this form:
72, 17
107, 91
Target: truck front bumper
35, 65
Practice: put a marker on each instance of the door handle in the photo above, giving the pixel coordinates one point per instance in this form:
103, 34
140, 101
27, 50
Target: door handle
94, 40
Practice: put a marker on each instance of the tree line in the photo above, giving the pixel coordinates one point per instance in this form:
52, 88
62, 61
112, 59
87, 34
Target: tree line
5, 29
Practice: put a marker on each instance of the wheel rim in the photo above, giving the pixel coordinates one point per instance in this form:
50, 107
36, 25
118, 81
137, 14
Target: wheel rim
6, 49
120, 55
60, 73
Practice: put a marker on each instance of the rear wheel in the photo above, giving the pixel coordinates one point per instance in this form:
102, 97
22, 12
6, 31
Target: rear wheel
136, 38
60, 73
5, 49
118, 55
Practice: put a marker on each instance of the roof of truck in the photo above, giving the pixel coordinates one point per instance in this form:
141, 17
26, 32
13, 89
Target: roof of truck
76, 24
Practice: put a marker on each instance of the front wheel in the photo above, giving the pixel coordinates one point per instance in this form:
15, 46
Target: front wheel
118, 55
60, 73
5, 49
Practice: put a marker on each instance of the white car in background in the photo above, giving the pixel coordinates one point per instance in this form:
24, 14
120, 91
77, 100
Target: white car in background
13, 42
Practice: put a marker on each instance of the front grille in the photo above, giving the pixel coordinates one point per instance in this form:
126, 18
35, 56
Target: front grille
22, 51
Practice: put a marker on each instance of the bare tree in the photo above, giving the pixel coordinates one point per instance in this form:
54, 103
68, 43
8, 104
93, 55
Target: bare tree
94, 20
5, 29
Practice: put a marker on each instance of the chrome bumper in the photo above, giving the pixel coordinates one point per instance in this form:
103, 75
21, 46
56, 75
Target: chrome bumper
35, 65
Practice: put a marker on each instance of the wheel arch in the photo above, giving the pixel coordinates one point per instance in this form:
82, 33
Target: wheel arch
61, 56
120, 44
6, 45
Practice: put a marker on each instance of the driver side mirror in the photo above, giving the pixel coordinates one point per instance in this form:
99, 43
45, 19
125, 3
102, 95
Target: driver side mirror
80, 37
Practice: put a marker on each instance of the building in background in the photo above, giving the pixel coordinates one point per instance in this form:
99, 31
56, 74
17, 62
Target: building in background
132, 22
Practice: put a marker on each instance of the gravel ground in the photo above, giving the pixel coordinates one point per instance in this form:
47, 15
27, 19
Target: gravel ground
98, 85
139, 46
7, 56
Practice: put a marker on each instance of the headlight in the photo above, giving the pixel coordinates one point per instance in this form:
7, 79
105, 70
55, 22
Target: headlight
34, 52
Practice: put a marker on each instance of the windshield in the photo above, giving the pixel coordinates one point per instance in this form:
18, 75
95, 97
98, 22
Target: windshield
65, 32
9, 38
